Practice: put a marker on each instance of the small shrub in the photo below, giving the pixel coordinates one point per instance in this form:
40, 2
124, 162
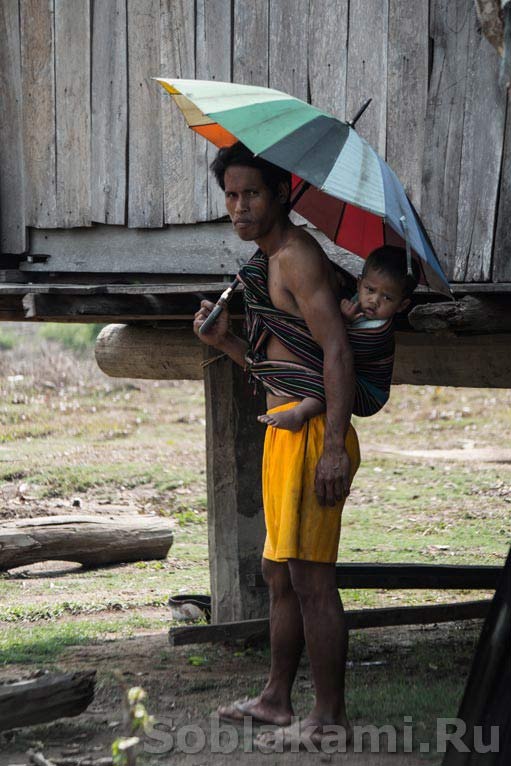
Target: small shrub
7, 340
76, 337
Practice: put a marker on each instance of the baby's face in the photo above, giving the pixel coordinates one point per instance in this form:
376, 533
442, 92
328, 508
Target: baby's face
380, 296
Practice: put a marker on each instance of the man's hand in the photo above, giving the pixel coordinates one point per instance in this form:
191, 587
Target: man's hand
332, 480
216, 334
350, 311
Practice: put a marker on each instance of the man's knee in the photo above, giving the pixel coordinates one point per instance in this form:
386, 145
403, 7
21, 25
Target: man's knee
312, 581
276, 576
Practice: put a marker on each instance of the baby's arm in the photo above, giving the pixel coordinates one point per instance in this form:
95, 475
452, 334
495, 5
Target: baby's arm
350, 311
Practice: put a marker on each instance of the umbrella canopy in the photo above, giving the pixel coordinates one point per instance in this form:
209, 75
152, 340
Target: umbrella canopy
339, 184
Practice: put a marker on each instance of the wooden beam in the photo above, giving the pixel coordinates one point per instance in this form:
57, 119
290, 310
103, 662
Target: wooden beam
88, 540
481, 315
124, 351
104, 308
357, 619
51, 696
479, 361
234, 440
411, 576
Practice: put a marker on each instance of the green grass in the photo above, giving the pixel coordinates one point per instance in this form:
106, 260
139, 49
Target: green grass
76, 337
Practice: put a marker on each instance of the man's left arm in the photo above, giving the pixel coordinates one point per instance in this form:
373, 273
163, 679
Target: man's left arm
305, 275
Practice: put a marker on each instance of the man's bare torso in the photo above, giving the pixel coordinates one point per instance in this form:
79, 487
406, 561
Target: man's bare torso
283, 299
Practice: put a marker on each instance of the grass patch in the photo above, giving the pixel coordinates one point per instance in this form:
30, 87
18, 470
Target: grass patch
75, 337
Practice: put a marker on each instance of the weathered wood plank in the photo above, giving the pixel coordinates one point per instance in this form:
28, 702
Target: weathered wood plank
367, 69
356, 619
478, 361
250, 42
72, 111
502, 245
108, 308
36, 700
178, 141
234, 441
109, 111
38, 83
202, 249
289, 46
483, 138
407, 91
449, 30
327, 55
213, 62
145, 192
12, 206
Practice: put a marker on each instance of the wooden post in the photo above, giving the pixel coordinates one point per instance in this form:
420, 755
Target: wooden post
234, 441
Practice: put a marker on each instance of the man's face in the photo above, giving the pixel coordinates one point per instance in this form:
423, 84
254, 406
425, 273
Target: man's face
251, 206
380, 296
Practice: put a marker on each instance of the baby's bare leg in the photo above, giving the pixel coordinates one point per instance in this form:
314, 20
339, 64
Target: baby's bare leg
295, 418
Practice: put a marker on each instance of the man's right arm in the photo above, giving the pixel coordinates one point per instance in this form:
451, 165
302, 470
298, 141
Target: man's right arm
219, 334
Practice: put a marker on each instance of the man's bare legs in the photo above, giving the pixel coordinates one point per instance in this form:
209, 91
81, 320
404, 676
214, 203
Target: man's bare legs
273, 705
326, 638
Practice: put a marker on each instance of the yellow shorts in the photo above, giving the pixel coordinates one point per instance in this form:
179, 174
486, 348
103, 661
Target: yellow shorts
297, 526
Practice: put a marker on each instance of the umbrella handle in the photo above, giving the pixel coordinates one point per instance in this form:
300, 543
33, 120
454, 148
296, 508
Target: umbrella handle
219, 307
404, 224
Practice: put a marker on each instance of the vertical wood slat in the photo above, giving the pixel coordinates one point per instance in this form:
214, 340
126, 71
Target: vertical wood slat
178, 141
367, 69
213, 62
502, 246
250, 42
327, 59
449, 30
38, 85
72, 117
289, 21
12, 209
407, 91
481, 156
109, 111
145, 181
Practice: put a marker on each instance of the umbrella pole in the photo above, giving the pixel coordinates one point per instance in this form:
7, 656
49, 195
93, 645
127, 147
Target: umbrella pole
359, 114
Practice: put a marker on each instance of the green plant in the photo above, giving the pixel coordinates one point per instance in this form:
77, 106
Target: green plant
124, 749
77, 337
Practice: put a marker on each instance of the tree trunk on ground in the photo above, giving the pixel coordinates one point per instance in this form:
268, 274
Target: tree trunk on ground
47, 698
87, 540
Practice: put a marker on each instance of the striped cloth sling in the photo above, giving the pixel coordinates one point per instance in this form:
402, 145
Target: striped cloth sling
373, 349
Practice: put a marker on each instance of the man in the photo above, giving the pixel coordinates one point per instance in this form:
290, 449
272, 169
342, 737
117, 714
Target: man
306, 475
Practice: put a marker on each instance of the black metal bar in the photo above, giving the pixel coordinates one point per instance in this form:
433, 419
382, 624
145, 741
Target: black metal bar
359, 114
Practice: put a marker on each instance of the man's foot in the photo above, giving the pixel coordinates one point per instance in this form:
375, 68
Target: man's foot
257, 709
306, 735
289, 420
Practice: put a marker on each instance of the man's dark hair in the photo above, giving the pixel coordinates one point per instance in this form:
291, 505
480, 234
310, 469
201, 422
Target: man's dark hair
238, 154
391, 260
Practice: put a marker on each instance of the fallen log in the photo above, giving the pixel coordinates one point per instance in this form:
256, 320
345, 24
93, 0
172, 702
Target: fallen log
479, 316
91, 541
38, 700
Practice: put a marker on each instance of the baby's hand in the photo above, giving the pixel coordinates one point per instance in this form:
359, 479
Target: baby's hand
350, 311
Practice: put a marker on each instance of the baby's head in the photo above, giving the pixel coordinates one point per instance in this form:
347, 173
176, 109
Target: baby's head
385, 287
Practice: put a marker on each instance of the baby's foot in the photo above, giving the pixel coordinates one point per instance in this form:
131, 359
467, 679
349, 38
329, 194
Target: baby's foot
289, 420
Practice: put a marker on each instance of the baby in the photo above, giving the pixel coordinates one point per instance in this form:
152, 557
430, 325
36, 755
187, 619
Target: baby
384, 289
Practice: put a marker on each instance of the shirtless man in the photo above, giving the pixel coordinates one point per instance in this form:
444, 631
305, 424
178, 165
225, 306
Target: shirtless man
304, 600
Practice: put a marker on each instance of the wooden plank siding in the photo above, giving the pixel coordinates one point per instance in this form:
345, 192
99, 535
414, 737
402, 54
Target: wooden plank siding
12, 209
92, 139
109, 111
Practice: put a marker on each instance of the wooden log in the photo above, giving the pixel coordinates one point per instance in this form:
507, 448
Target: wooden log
85, 539
52, 696
485, 314
154, 354
357, 619
479, 361
234, 440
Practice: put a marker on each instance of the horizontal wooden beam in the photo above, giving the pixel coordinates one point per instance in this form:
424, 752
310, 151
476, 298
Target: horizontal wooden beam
411, 576
252, 631
475, 315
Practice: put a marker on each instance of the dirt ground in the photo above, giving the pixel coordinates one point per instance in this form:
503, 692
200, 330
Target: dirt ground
435, 487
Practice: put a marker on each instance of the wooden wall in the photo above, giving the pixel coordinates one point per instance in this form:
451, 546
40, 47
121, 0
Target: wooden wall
87, 137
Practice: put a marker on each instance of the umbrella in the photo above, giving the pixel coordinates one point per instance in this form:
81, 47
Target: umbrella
339, 182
